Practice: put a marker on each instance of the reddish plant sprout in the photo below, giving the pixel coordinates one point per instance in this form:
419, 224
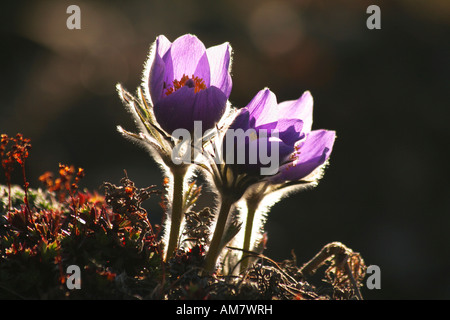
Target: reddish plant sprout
15, 149
67, 182
66, 187
7, 164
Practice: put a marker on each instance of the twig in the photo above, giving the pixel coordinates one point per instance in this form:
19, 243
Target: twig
341, 254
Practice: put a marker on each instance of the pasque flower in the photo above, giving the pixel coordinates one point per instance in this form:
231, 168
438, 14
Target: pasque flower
188, 82
284, 130
303, 154
183, 82
301, 150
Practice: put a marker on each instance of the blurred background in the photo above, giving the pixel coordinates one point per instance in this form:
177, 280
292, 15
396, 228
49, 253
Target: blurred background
386, 192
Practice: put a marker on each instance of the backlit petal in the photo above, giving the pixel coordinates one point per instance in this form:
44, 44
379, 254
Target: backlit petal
301, 108
219, 58
311, 154
157, 69
187, 56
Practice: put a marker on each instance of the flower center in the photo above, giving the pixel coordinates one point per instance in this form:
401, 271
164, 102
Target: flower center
193, 82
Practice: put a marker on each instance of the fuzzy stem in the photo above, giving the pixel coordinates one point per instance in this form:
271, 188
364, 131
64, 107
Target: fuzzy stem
252, 206
177, 209
213, 251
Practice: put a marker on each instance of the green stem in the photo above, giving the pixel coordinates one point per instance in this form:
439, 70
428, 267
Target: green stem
213, 251
251, 210
177, 209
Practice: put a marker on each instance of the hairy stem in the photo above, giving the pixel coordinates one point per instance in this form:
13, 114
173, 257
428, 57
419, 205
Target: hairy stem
213, 252
252, 206
177, 209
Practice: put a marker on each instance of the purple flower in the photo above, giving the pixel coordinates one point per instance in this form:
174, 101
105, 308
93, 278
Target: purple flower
188, 82
298, 150
264, 135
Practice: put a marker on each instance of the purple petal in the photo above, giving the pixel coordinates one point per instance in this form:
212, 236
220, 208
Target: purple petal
258, 153
301, 108
220, 63
312, 153
241, 120
262, 150
187, 56
256, 145
162, 45
157, 69
175, 110
181, 108
262, 107
288, 130
282, 149
209, 106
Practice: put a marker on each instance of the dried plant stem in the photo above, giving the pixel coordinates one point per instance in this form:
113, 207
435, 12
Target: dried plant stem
177, 209
341, 254
328, 251
352, 279
213, 252
25, 186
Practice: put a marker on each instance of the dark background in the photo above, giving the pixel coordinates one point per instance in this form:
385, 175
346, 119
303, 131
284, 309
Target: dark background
385, 92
